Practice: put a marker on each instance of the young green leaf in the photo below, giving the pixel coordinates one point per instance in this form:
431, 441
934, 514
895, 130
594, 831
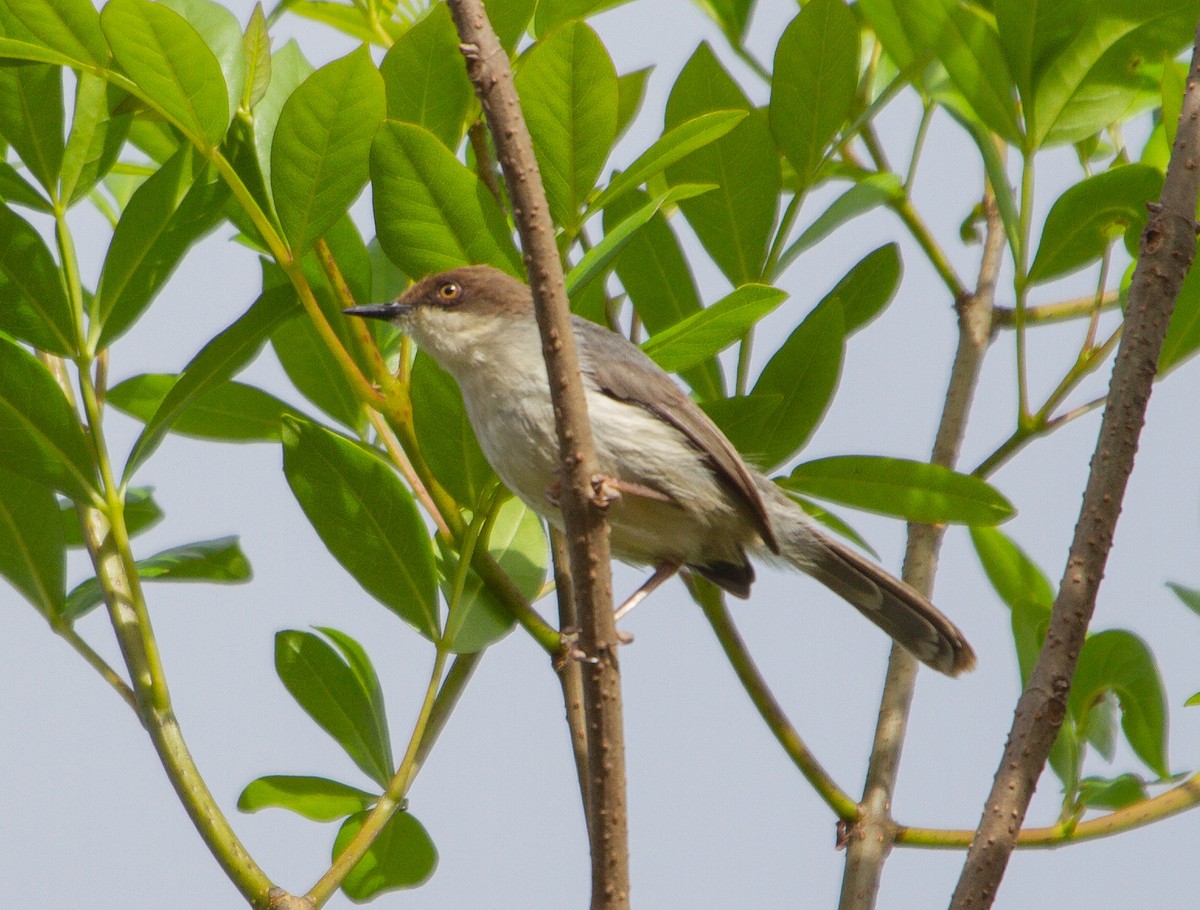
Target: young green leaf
868, 287
33, 303
867, 194
734, 222
321, 146
913, 490
448, 443
815, 82
672, 146
1118, 661
229, 411
1189, 596
659, 282
432, 213
141, 514
705, 334
219, 561
425, 80
71, 27
165, 56
551, 15
568, 89
218, 361
32, 551
40, 436
316, 798
221, 32
97, 136
402, 856
288, 70
596, 260
169, 212
1112, 793
804, 373
517, 541
1084, 220
31, 117
1022, 586
332, 695
256, 50
631, 91
364, 671
366, 517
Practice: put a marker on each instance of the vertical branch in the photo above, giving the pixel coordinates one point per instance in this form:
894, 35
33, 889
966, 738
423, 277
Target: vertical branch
1167, 247
586, 529
871, 840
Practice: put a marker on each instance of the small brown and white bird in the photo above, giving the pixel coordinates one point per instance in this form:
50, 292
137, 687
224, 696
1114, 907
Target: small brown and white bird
682, 495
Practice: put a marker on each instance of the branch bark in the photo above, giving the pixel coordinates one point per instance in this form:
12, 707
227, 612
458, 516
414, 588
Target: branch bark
1167, 247
586, 529
872, 838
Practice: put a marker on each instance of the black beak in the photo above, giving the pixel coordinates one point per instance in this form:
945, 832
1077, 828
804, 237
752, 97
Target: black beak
386, 311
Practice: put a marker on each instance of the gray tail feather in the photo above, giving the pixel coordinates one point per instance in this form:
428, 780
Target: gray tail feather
910, 619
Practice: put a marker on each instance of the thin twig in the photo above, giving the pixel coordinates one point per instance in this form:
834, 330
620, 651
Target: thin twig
570, 673
1165, 255
586, 528
871, 840
1062, 311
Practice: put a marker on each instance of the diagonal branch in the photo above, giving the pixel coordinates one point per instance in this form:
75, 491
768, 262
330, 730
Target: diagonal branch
871, 839
586, 529
1167, 247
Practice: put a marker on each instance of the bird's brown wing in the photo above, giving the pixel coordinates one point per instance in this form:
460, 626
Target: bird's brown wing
623, 372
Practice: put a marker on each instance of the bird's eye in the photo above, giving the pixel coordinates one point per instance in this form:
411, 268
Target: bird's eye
449, 291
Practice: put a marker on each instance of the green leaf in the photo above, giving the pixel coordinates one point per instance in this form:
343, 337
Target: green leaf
221, 32
256, 50
169, 61
352, 21
734, 223
167, 214
425, 80
364, 671
800, 378
316, 798
884, 20
966, 43
834, 522
1022, 586
552, 15
1192, 701
868, 287
315, 371
15, 49
32, 551
1189, 596
731, 15
40, 436
1183, 332
672, 146
705, 334
595, 261
656, 276
401, 856
366, 517
230, 411
815, 82
321, 146
448, 443
914, 490
631, 91
288, 70
1084, 220
328, 690
71, 27
31, 117
15, 189
33, 303
220, 561
1118, 661
141, 514
431, 212
1115, 793
97, 136
568, 89
217, 361
510, 18
518, 543
867, 194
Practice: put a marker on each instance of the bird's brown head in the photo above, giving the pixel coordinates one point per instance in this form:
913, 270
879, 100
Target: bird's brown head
455, 314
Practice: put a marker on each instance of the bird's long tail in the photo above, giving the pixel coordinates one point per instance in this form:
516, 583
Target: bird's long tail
910, 619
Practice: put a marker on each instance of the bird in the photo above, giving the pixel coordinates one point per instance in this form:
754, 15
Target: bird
679, 495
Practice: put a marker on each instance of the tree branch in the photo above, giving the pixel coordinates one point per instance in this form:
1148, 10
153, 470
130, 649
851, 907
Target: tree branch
1167, 247
871, 840
586, 529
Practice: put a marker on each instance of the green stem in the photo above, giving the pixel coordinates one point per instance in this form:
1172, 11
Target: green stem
1062, 311
1021, 287
929, 246
918, 146
389, 802
70, 267
771, 266
756, 687
98, 663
